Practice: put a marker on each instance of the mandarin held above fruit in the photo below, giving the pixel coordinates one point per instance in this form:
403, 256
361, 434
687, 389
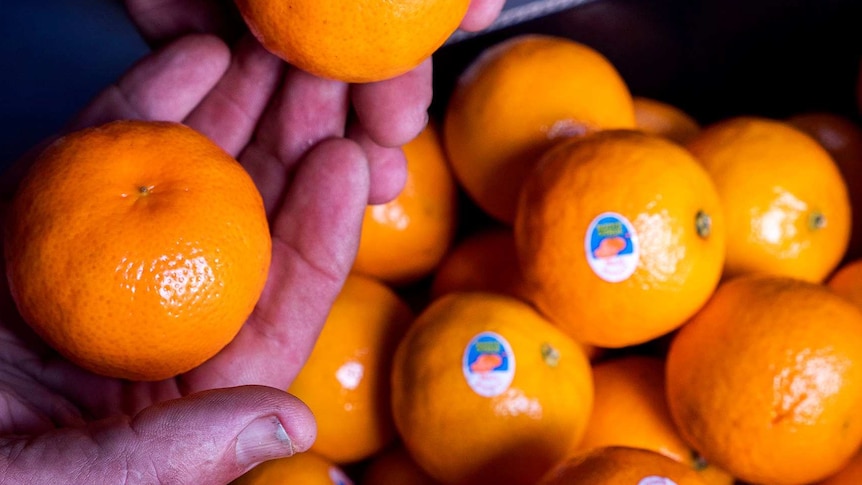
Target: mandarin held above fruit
358, 41
137, 249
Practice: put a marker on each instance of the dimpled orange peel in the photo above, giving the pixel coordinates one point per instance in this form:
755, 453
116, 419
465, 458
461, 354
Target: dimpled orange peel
765, 381
137, 249
357, 41
486, 391
517, 99
620, 237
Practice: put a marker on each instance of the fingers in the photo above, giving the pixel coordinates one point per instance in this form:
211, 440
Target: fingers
390, 114
166, 85
229, 114
210, 437
315, 236
481, 14
387, 167
304, 111
393, 112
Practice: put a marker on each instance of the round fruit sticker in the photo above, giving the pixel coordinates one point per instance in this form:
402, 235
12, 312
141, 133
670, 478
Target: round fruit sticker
488, 364
611, 246
656, 480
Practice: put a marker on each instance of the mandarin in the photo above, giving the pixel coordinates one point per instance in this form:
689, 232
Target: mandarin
137, 249
630, 409
307, 468
664, 119
621, 465
842, 138
850, 474
358, 41
345, 381
766, 380
518, 98
395, 466
484, 260
620, 237
486, 391
406, 238
785, 202
847, 281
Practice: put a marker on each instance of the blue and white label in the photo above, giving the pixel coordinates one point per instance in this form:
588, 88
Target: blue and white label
611, 246
488, 364
656, 480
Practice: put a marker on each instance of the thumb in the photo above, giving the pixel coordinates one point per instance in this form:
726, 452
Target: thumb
208, 437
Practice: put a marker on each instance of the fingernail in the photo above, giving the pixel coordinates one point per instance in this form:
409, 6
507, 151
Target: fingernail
263, 439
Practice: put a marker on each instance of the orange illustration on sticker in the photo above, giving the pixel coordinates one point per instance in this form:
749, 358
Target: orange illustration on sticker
610, 247
486, 362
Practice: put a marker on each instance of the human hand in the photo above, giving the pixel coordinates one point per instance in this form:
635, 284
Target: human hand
60, 424
290, 130
388, 114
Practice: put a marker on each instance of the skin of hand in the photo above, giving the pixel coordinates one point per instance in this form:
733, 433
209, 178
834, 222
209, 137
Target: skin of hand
319, 151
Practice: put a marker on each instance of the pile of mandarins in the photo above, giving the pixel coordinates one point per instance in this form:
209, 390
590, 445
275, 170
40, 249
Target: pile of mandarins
643, 299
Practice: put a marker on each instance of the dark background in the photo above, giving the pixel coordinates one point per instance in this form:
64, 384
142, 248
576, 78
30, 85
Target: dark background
714, 58
54, 56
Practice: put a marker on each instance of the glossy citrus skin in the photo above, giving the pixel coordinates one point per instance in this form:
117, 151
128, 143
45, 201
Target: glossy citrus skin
358, 41
137, 249
664, 119
619, 465
678, 231
512, 436
784, 199
345, 381
766, 380
307, 468
629, 409
405, 239
842, 138
515, 100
